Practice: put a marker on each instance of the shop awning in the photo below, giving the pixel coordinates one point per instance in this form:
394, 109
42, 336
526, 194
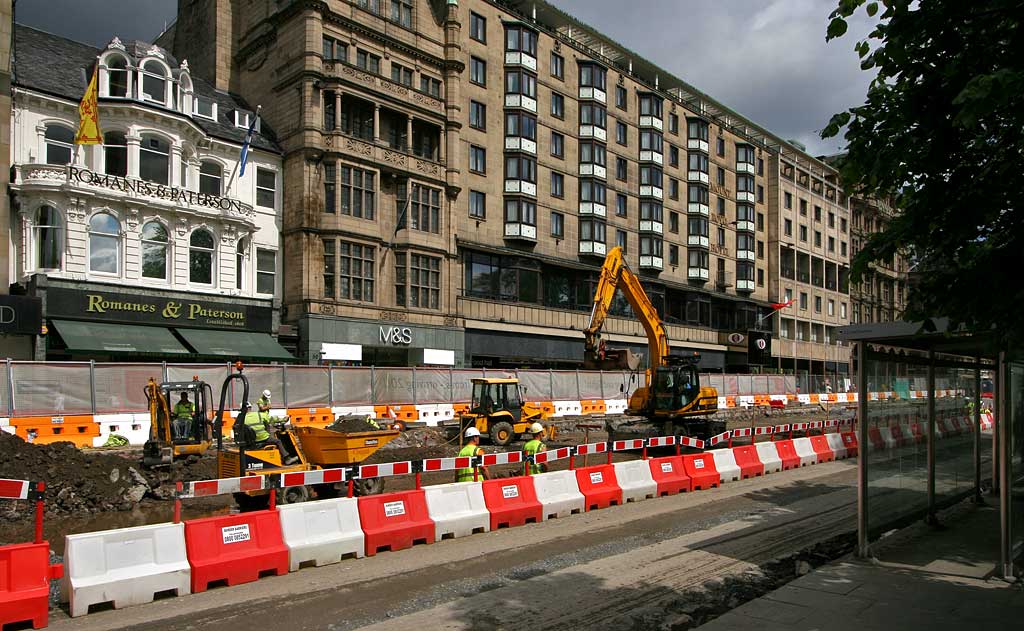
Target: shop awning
235, 344
118, 338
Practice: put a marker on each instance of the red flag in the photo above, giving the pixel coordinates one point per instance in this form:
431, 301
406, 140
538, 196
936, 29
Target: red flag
782, 305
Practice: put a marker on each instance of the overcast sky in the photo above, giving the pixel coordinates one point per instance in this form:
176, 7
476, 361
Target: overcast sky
766, 59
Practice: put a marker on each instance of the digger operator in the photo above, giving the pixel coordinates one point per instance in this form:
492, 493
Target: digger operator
183, 412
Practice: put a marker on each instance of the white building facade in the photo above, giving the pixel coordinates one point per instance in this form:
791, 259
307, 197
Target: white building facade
159, 212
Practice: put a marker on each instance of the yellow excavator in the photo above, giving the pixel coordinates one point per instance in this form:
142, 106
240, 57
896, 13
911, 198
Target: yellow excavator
177, 435
671, 390
499, 411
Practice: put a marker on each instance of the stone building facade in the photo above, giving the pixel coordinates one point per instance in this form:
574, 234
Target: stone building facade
456, 171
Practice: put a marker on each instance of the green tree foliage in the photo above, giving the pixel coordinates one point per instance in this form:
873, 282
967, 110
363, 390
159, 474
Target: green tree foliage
941, 131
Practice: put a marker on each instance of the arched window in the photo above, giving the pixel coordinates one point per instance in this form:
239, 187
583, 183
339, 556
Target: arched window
154, 82
210, 177
104, 244
117, 76
48, 238
240, 265
154, 251
154, 159
59, 140
200, 257
115, 153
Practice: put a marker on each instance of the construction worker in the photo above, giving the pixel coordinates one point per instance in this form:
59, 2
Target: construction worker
266, 435
534, 447
263, 403
183, 412
471, 450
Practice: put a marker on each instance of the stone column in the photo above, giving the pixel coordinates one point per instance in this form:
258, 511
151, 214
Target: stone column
337, 108
376, 123
175, 165
133, 142
408, 133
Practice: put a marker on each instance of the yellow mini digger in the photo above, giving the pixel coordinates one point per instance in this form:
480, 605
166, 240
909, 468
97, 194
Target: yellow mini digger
177, 435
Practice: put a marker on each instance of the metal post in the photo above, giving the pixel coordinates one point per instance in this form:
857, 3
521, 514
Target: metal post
10, 387
863, 549
579, 392
551, 385
996, 416
41, 488
930, 437
163, 370
330, 386
451, 386
977, 434
600, 381
414, 388
92, 384
373, 386
1003, 428
284, 385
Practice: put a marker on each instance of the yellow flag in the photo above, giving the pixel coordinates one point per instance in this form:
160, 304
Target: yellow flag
89, 115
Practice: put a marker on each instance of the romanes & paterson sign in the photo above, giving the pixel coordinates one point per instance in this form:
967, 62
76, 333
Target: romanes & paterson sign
188, 312
159, 191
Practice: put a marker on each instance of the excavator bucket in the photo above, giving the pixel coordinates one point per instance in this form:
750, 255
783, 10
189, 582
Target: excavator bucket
614, 359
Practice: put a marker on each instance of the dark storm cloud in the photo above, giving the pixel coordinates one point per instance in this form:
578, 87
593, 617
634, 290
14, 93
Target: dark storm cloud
97, 21
766, 60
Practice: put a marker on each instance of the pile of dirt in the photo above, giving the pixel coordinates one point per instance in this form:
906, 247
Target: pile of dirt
82, 482
353, 423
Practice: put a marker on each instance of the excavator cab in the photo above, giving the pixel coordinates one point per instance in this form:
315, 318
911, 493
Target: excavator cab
181, 418
675, 387
498, 411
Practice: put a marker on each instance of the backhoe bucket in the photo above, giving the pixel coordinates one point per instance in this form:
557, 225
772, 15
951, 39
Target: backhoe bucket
614, 359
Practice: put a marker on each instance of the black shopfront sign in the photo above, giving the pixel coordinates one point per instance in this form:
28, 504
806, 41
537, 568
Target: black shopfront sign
185, 312
759, 348
20, 315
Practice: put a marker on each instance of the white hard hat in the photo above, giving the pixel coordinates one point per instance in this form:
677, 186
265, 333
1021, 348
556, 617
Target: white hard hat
266, 393
472, 432
536, 428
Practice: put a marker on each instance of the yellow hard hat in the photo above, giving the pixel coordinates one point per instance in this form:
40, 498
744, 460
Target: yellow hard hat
536, 428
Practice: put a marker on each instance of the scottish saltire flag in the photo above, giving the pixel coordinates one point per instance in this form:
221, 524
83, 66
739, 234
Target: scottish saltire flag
248, 139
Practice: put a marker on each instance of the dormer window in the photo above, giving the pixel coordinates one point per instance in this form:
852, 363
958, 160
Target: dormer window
204, 107
117, 77
154, 82
243, 118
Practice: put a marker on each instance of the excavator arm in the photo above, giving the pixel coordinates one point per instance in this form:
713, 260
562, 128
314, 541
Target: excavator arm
616, 275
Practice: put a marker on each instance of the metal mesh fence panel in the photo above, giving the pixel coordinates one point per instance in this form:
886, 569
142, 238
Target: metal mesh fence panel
51, 389
537, 384
5, 391
261, 378
351, 386
392, 385
433, 385
308, 386
564, 388
462, 387
121, 387
590, 385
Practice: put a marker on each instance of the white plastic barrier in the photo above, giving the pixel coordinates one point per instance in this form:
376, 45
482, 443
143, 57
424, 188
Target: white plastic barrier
558, 493
458, 509
635, 480
769, 457
126, 566
745, 401
804, 449
346, 410
322, 532
615, 406
134, 427
725, 462
835, 443
429, 413
568, 408
888, 438
445, 412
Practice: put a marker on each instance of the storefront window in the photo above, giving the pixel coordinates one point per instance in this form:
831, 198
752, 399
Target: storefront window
115, 153
154, 251
200, 257
49, 239
104, 244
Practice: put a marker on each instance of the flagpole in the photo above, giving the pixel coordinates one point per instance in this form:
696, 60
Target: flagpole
248, 137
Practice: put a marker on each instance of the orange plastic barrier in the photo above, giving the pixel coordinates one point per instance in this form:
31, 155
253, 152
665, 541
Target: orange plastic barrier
787, 453
395, 521
235, 548
315, 417
25, 574
670, 475
593, 406
512, 502
463, 408
599, 486
79, 429
820, 445
748, 460
702, 471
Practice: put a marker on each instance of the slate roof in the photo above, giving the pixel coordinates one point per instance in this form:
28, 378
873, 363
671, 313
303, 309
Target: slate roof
59, 66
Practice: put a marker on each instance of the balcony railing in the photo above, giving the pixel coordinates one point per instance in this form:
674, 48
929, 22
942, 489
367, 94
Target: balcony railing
386, 85
396, 158
521, 232
516, 58
593, 131
698, 273
651, 262
723, 280
521, 101
587, 93
745, 167
651, 122
592, 248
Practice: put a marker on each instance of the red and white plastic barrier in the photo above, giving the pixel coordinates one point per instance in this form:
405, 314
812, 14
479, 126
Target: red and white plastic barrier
447, 464
552, 455
206, 488
316, 476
